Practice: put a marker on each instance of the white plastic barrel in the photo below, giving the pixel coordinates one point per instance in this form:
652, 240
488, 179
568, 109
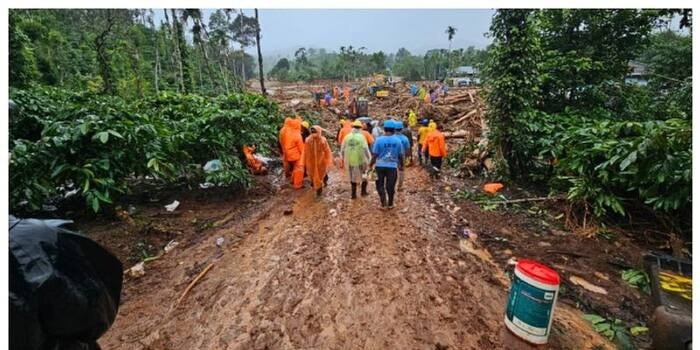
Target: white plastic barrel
533, 294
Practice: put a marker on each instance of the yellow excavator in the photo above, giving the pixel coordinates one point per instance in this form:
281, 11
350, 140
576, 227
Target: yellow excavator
378, 86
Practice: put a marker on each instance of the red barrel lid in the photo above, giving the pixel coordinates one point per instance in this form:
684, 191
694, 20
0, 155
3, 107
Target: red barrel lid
538, 271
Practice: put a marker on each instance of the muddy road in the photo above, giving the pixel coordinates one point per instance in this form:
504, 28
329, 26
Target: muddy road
334, 274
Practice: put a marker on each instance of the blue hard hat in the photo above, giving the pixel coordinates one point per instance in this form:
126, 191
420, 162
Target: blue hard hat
399, 125
424, 121
388, 124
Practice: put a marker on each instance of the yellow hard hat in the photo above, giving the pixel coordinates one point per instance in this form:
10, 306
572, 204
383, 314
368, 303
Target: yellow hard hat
357, 123
305, 124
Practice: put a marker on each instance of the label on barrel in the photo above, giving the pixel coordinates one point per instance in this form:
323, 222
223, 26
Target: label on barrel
529, 307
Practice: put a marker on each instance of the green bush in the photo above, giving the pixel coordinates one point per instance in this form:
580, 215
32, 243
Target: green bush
609, 161
62, 140
605, 162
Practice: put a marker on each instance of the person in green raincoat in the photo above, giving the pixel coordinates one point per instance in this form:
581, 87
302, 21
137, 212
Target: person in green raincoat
356, 157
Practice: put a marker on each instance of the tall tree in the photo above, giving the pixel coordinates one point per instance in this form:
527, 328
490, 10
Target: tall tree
104, 24
512, 81
23, 66
450, 31
199, 34
177, 56
221, 38
598, 43
156, 49
260, 58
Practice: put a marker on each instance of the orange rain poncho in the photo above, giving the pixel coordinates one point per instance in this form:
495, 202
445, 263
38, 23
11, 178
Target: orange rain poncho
346, 94
255, 165
435, 144
293, 148
317, 157
287, 126
344, 131
292, 143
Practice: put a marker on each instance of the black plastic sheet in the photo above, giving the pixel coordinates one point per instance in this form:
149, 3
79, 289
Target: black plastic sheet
64, 288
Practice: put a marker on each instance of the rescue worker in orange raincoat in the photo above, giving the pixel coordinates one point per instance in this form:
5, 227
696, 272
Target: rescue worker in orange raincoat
436, 148
283, 131
344, 130
346, 94
317, 159
347, 129
293, 148
367, 135
256, 166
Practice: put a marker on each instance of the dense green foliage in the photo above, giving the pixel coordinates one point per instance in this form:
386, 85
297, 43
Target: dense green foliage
604, 162
124, 52
561, 111
512, 80
98, 145
350, 63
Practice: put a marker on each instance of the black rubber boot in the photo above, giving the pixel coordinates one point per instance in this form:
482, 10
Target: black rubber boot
354, 190
364, 189
391, 201
319, 192
382, 198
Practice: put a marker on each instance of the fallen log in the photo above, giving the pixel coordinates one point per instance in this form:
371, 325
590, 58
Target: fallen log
457, 99
464, 117
471, 95
457, 134
521, 200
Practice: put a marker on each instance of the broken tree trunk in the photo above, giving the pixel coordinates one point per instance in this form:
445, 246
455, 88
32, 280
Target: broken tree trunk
464, 117
521, 200
456, 99
457, 134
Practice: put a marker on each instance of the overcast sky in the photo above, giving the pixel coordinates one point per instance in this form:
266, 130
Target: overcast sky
388, 30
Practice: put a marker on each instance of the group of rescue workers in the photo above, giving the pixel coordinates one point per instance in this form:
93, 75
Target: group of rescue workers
367, 152
331, 96
429, 94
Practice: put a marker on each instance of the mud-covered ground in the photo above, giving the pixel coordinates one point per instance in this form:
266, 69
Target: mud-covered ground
334, 274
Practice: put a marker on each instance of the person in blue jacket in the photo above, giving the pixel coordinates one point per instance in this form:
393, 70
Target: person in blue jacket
414, 90
406, 142
387, 159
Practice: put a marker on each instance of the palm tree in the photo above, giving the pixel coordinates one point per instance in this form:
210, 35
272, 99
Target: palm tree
260, 58
450, 31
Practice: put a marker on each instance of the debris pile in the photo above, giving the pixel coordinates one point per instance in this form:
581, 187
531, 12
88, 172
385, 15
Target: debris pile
460, 113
